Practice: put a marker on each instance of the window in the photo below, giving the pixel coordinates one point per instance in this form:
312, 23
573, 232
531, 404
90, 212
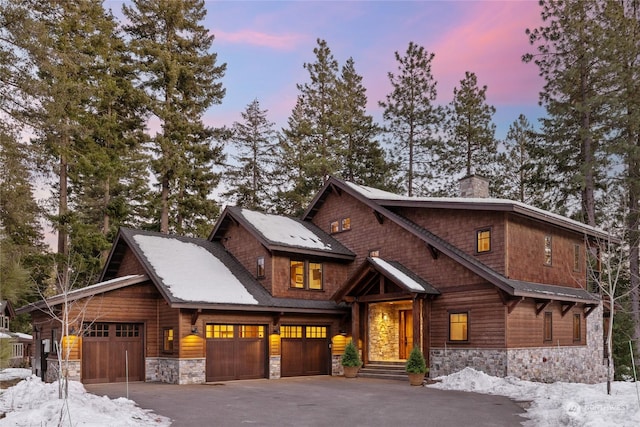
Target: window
577, 331
346, 224
548, 326
316, 332
100, 330
374, 253
483, 238
343, 225
306, 275
127, 330
291, 332
219, 331
458, 326
547, 250
335, 227
251, 331
576, 257
260, 267
167, 340
5, 322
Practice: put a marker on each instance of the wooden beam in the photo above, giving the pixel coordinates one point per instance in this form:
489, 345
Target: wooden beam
588, 308
416, 322
195, 315
434, 252
541, 305
355, 322
566, 306
386, 297
512, 304
426, 329
379, 217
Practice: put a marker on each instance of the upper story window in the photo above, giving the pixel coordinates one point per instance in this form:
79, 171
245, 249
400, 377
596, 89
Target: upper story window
342, 225
306, 275
548, 253
576, 258
374, 253
4, 323
483, 240
260, 267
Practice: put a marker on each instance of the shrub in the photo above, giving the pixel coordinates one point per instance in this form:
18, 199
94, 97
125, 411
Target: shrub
351, 357
416, 363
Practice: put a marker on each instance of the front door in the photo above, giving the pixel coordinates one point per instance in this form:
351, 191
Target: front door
406, 333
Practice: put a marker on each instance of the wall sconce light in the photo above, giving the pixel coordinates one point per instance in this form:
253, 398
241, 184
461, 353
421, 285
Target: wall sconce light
343, 332
276, 330
194, 330
385, 317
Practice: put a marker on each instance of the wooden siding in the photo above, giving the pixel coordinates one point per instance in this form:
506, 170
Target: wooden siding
486, 327
392, 242
246, 249
525, 252
130, 264
525, 329
333, 276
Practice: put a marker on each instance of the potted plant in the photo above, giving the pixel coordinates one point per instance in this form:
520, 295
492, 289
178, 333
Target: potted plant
351, 360
416, 366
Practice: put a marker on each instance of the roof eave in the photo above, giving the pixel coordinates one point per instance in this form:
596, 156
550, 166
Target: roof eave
255, 308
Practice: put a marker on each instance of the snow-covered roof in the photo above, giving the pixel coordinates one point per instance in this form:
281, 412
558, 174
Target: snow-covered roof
403, 278
284, 230
388, 198
5, 335
191, 273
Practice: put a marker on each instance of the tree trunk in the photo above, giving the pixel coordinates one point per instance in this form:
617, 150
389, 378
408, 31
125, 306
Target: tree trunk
164, 201
63, 236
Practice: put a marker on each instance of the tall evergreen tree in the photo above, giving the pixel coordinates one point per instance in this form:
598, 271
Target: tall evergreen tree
363, 159
181, 79
568, 46
471, 147
250, 180
412, 119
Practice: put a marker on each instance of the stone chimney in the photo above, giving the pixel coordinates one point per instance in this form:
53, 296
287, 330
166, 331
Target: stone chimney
474, 186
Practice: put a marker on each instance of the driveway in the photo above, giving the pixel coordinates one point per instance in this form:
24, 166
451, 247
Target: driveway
316, 401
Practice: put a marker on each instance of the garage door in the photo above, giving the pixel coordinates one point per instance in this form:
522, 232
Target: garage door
305, 350
236, 352
109, 350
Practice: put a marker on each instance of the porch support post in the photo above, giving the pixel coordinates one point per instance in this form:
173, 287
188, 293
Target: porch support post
417, 311
426, 329
355, 322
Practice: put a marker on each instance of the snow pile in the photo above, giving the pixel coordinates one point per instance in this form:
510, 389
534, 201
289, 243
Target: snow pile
192, 273
34, 403
14, 373
556, 404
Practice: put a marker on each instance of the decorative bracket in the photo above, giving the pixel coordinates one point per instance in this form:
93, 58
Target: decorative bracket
566, 306
541, 305
379, 217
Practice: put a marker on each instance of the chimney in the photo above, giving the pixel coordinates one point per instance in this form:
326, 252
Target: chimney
474, 186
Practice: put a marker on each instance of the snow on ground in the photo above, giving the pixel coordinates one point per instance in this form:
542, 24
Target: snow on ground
556, 404
34, 403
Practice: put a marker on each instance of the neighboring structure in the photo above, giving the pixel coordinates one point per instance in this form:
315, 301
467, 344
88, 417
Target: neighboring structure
492, 284
20, 343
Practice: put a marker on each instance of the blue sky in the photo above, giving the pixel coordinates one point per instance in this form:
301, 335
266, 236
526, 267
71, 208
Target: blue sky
266, 43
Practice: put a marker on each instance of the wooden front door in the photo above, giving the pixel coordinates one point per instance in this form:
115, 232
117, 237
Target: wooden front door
235, 352
111, 351
406, 333
305, 350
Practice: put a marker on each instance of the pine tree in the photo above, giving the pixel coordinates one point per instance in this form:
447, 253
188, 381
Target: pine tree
363, 159
573, 160
181, 79
412, 119
250, 180
471, 147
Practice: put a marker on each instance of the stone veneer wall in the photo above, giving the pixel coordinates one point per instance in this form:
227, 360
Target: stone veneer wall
336, 366
384, 335
275, 367
546, 364
175, 371
73, 369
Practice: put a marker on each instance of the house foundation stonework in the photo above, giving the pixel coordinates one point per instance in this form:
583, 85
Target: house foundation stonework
175, 371
73, 368
274, 367
447, 361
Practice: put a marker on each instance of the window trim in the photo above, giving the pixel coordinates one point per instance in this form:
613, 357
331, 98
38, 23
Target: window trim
346, 220
338, 225
260, 267
449, 314
306, 273
334, 227
168, 340
478, 232
547, 327
548, 245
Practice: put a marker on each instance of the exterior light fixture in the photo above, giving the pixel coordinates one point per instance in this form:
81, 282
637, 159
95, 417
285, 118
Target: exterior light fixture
194, 330
276, 330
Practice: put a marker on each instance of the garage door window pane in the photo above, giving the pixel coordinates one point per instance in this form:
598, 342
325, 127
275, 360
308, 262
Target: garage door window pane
219, 331
251, 331
291, 332
96, 330
127, 330
316, 331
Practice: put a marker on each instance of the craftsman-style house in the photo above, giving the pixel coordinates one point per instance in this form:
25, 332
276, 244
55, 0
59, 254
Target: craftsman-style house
492, 284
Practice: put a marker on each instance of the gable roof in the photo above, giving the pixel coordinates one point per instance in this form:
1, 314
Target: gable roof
282, 234
394, 271
189, 273
6, 308
514, 288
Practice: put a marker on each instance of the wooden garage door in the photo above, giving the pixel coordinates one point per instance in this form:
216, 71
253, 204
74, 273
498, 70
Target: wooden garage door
109, 350
236, 352
305, 350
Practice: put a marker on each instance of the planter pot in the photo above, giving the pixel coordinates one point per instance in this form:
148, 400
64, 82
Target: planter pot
351, 371
416, 379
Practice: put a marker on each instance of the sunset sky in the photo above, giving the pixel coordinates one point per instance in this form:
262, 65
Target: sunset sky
266, 43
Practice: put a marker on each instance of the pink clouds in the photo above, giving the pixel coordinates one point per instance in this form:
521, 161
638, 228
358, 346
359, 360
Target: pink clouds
285, 42
489, 40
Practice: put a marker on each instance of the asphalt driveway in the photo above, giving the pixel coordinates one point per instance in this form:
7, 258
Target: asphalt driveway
316, 401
